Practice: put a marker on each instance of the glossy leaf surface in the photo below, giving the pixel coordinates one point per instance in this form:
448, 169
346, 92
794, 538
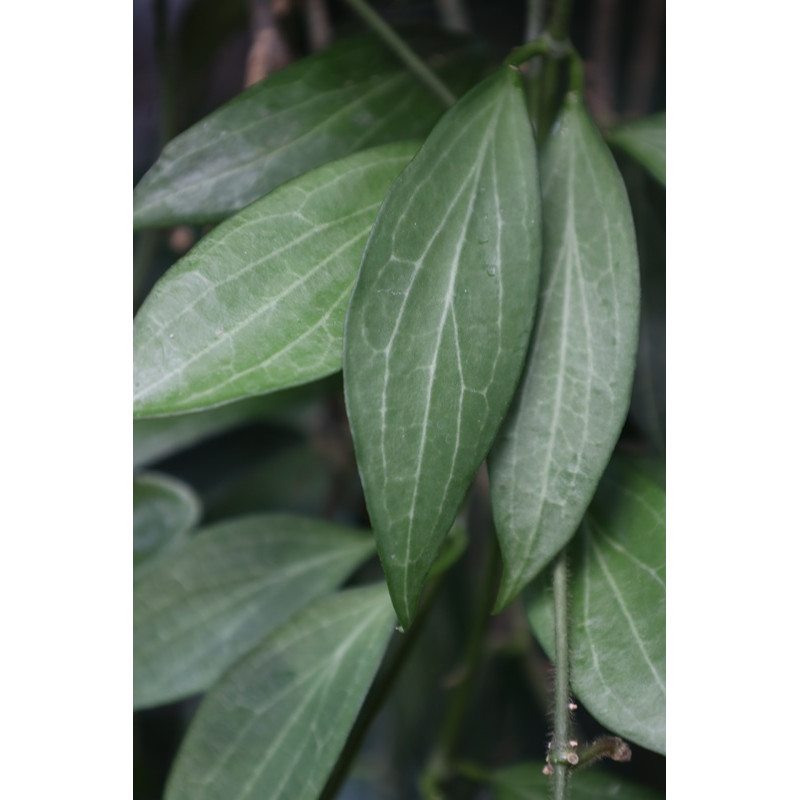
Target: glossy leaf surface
439, 323
526, 782
199, 610
259, 303
352, 96
574, 396
617, 615
164, 511
277, 721
645, 140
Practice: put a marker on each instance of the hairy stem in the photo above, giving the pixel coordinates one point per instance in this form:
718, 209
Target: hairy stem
417, 66
562, 756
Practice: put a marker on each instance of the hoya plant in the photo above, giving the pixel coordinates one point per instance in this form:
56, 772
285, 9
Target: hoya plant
399, 486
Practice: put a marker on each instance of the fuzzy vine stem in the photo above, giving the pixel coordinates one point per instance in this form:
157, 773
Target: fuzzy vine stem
417, 66
562, 757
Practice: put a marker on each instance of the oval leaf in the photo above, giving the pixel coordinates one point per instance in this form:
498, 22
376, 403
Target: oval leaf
198, 611
259, 303
351, 96
646, 141
617, 616
278, 720
574, 396
526, 782
164, 511
439, 322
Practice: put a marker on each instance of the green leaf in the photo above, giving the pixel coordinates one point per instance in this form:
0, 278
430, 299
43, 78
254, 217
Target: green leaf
439, 323
259, 303
526, 782
646, 141
617, 616
164, 511
575, 392
278, 720
349, 97
198, 611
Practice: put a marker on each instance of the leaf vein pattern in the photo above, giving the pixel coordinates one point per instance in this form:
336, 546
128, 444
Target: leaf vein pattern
471, 179
259, 312
626, 612
264, 159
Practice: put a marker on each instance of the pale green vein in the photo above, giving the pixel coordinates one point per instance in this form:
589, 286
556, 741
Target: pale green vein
263, 158
235, 227
215, 343
448, 300
626, 613
599, 533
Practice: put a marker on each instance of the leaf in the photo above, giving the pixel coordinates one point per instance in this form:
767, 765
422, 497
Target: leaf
277, 722
164, 511
197, 612
526, 782
574, 395
349, 97
259, 303
617, 616
645, 140
439, 323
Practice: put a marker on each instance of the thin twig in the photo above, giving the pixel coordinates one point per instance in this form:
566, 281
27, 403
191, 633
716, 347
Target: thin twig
403, 52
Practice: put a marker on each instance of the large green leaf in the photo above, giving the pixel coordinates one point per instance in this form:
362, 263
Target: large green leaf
439, 323
353, 95
197, 611
259, 303
617, 615
276, 723
646, 141
164, 511
526, 782
574, 396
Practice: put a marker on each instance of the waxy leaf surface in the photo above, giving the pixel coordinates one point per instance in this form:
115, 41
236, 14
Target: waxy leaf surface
199, 610
439, 323
276, 723
349, 97
526, 782
617, 619
575, 392
259, 303
646, 141
164, 511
